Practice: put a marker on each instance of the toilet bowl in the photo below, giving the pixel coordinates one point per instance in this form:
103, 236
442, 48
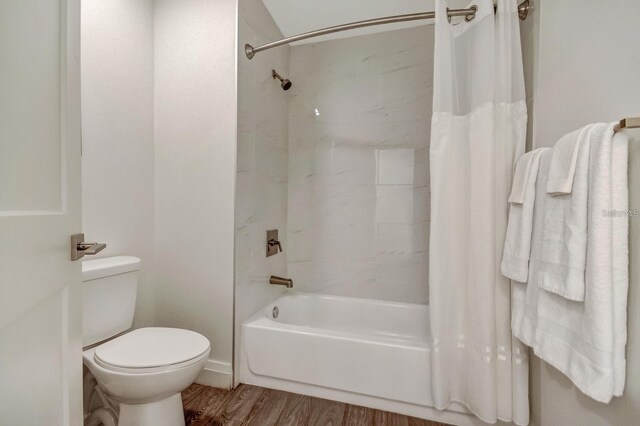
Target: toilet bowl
136, 377
144, 372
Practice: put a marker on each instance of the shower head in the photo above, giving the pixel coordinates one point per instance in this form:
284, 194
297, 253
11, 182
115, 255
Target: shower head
285, 83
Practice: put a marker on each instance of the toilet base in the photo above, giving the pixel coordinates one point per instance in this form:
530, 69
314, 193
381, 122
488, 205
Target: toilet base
166, 412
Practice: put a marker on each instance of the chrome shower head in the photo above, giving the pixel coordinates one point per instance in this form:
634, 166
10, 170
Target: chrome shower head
285, 83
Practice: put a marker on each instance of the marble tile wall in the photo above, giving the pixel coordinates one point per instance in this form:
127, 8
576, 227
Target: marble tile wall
262, 163
358, 180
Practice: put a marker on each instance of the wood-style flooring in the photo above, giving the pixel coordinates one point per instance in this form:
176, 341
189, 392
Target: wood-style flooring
253, 405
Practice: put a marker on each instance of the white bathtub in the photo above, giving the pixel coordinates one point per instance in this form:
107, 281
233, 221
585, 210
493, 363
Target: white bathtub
360, 351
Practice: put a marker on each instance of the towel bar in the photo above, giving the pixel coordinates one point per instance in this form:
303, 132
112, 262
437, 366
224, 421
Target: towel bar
627, 123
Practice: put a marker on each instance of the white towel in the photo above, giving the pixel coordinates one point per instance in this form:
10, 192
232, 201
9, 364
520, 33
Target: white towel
564, 162
585, 341
517, 245
564, 244
524, 305
520, 176
620, 256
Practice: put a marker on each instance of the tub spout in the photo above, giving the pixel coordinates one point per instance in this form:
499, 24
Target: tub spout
281, 281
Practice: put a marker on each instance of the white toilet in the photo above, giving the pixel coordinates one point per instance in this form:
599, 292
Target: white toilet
134, 378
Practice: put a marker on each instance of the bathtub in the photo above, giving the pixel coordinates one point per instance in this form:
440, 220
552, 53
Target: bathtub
361, 351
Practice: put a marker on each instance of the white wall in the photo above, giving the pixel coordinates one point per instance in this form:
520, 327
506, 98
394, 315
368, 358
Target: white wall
261, 192
588, 66
195, 152
359, 121
117, 134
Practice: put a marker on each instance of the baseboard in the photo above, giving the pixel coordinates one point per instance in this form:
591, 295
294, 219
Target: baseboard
216, 373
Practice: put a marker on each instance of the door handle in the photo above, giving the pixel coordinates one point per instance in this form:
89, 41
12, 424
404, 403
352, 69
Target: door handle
91, 248
79, 247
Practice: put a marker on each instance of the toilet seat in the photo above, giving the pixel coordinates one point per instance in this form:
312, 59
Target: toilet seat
152, 349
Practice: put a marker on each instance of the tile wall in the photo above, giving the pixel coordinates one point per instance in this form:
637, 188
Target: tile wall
262, 163
358, 178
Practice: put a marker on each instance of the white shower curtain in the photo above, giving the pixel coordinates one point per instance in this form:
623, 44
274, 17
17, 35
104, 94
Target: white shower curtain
477, 132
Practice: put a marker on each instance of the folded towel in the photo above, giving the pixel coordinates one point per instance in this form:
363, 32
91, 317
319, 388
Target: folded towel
596, 326
620, 255
520, 176
564, 244
563, 163
517, 245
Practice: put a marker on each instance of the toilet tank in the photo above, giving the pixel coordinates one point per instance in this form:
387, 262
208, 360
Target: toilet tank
109, 289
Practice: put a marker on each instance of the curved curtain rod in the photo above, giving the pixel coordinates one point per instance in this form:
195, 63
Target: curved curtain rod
469, 14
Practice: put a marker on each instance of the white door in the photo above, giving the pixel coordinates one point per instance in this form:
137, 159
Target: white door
40, 301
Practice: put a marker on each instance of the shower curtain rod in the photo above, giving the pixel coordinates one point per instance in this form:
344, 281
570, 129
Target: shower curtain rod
469, 14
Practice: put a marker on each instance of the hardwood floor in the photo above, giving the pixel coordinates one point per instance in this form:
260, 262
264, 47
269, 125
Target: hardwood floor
253, 405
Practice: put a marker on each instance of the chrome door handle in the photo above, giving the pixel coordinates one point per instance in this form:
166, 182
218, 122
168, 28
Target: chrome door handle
79, 247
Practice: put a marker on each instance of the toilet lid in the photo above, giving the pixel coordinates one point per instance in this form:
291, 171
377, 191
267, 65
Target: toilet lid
152, 347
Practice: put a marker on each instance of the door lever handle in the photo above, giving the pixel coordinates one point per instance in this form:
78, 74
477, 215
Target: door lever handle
91, 248
79, 247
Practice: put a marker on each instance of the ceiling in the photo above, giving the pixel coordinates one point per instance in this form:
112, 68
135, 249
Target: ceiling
299, 16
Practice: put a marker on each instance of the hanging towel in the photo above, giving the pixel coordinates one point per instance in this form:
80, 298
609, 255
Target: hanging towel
564, 242
524, 306
620, 256
564, 162
585, 340
517, 245
520, 176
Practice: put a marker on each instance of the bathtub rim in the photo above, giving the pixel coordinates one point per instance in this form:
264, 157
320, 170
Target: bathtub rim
262, 320
306, 294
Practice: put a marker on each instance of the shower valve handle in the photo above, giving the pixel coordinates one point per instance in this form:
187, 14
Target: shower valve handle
273, 242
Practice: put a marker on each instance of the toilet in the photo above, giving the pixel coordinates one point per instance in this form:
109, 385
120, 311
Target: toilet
134, 377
